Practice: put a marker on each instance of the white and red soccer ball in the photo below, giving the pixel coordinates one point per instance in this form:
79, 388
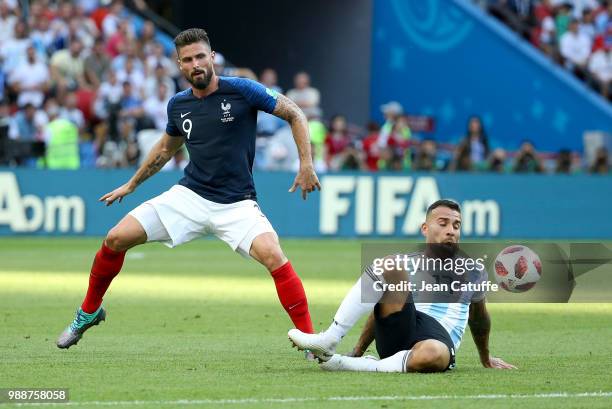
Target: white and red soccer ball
517, 268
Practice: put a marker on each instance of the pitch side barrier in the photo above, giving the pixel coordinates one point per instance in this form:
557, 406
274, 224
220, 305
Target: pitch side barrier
368, 205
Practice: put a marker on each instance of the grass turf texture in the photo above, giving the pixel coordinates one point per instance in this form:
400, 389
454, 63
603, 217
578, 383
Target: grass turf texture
200, 323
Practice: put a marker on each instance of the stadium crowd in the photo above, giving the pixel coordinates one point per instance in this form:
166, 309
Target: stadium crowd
575, 33
93, 86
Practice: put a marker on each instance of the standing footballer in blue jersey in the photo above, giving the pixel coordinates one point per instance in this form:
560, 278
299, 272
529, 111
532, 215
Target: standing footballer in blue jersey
215, 118
412, 335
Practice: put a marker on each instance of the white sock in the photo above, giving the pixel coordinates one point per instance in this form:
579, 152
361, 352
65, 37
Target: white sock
394, 363
352, 309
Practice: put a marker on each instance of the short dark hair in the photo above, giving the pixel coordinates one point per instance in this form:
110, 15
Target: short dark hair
451, 204
191, 36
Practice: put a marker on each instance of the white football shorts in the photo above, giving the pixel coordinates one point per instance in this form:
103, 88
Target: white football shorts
180, 215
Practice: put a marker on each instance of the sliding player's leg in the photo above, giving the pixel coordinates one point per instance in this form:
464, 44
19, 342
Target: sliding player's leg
359, 301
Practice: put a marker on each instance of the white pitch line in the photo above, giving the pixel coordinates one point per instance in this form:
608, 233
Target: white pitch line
322, 399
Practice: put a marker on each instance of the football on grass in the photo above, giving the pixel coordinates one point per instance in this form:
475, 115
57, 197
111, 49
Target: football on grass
517, 268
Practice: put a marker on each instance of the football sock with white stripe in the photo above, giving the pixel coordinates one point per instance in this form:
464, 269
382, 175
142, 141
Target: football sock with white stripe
352, 308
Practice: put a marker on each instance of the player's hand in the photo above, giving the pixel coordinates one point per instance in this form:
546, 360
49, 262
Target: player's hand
118, 193
307, 180
497, 363
356, 352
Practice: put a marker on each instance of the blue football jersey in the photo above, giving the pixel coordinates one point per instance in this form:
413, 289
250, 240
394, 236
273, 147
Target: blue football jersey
219, 132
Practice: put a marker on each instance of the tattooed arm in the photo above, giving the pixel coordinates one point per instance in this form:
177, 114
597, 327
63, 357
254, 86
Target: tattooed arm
306, 178
480, 325
161, 153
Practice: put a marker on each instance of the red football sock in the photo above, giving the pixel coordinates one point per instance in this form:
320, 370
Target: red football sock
292, 296
106, 266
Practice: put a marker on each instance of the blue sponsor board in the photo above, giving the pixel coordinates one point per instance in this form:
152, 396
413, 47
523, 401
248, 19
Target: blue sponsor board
350, 204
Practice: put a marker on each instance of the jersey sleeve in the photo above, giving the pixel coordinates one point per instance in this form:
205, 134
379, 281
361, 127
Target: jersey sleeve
257, 95
478, 296
171, 128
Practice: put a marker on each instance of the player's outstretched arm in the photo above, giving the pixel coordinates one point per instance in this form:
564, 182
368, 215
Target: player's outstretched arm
161, 153
365, 339
480, 325
306, 178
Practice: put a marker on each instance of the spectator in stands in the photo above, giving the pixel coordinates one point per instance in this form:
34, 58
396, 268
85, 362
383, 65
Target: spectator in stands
305, 96
579, 6
155, 106
86, 24
60, 25
127, 143
109, 96
527, 159
269, 78
371, 147
221, 68
497, 161
62, 141
158, 57
426, 156
587, 24
147, 38
130, 103
28, 124
601, 162
268, 124
390, 133
575, 48
132, 74
351, 157
336, 142
7, 23
13, 51
604, 17
30, 80
112, 21
67, 68
41, 35
121, 39
159, 76
129, 52
318, 133
562, 19
564, 162
600, 66
397, 138
462, 158
475, 143
79, 29
96, 64
70, 112
548, 33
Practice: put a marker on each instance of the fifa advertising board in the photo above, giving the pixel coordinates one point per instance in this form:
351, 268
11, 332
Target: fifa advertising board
368, 205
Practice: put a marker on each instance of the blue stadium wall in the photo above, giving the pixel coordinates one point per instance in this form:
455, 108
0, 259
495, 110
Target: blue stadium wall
447, 59
350, 205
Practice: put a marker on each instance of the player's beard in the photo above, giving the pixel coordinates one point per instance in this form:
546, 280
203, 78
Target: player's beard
442, 250
200, 82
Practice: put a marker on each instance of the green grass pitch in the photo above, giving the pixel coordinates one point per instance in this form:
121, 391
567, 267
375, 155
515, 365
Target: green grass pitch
198, 326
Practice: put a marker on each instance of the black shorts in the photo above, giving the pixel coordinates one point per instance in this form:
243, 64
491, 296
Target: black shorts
401, 330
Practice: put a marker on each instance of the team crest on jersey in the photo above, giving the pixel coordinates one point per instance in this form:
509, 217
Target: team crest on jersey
226, 115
